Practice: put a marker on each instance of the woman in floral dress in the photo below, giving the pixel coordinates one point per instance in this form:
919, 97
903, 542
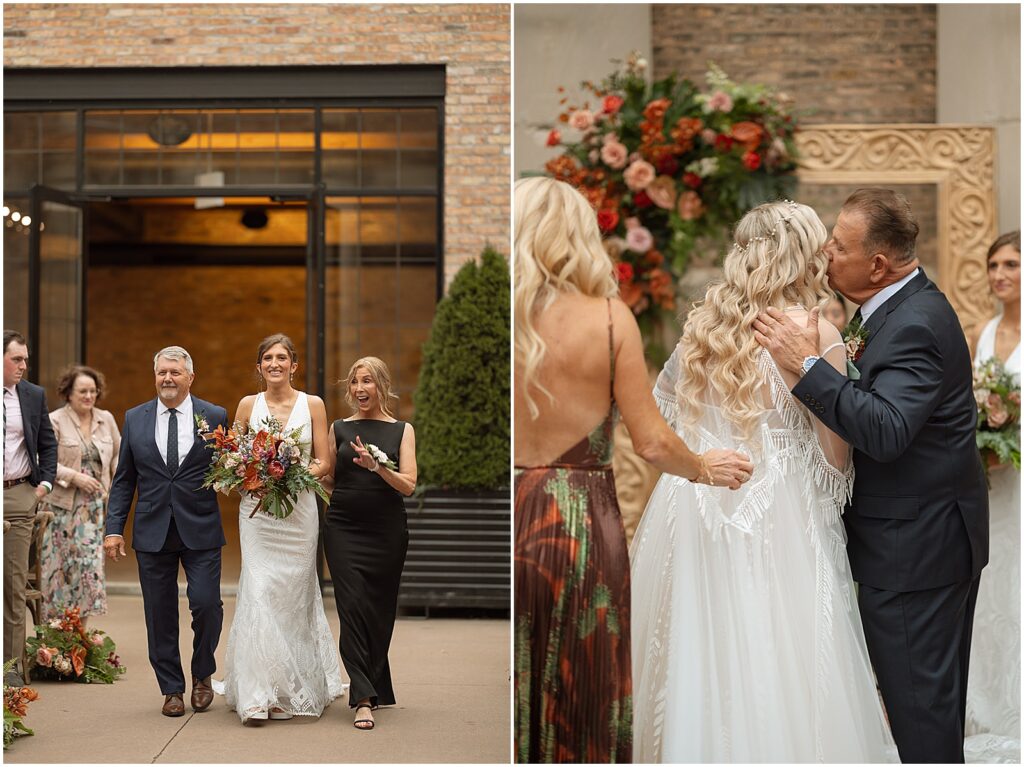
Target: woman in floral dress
87, 446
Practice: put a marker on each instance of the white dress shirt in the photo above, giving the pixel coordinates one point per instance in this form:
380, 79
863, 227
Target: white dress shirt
186, 428
869, 306
16, 463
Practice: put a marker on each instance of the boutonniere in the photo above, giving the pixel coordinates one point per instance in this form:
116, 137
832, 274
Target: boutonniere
202, 425
855, 338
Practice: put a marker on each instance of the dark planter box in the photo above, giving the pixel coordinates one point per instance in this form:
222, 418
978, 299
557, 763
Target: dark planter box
459, 551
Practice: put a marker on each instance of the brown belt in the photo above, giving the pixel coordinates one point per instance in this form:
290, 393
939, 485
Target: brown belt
12, 482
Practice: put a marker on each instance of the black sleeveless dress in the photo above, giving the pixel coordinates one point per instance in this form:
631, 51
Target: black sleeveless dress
365, 542
573, 680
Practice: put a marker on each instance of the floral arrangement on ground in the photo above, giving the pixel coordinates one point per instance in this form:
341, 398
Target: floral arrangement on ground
671, 168
265, 462
65, 649
997, 395
16, 700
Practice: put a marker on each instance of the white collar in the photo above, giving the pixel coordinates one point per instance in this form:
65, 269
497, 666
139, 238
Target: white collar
869, 306
185, 407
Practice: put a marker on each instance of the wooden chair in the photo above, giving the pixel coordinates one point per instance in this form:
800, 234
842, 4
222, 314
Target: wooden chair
34, 578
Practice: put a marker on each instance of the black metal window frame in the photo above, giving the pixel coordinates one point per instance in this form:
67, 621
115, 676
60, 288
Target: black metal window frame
289, 87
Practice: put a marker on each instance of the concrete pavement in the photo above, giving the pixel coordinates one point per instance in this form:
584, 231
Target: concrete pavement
452, 681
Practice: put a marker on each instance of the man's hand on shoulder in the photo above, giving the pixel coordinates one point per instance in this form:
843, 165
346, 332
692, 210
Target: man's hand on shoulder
787, 342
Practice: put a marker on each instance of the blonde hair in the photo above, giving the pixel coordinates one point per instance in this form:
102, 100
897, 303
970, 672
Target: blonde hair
776, 260
381, 378
557, 250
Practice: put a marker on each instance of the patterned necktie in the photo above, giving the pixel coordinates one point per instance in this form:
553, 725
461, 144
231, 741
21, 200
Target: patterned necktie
172, 440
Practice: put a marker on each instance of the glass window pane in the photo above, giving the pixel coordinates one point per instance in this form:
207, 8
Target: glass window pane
257, 167
140, 168
340, 169
21, 170
181, 167
102, 168
418, 169
15, 267
102, 131
379, 169
21, 130
418, 129
417, 289
58, 130
378, 141
59, 169
60, 280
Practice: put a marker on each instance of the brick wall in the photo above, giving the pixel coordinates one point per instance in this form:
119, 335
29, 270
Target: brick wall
847, 63
473, 41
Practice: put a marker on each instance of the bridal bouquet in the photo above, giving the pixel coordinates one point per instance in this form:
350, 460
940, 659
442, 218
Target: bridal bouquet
265, 462
16, 700
65, 649
668, 164
997, 395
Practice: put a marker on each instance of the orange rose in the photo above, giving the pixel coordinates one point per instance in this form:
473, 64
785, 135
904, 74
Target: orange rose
749, 134
655, 111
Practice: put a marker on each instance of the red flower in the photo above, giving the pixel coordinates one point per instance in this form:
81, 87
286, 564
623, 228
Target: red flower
607, 219
692, 180
275, 469
668, 165
723, 143
752, 160
612, 104
624, 272
641, 200
554, 138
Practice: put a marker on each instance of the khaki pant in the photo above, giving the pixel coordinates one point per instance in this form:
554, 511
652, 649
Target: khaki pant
19, 509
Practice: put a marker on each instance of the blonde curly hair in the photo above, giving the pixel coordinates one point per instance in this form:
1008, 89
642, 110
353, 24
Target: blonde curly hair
777, 260
557, 250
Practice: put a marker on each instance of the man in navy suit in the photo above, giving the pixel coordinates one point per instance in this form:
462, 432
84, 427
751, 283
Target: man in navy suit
163, 456
30, 465
918, 521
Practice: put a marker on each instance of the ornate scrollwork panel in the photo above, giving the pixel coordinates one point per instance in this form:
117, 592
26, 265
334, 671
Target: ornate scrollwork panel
958, 159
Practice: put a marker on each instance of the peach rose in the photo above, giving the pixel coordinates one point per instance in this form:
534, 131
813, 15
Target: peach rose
44, 656
639, 239
690, 205
614, 154
662, 192
748, 133
582, 119
639, 175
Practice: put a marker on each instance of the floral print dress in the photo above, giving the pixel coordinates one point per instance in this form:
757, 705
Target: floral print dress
72, 550
573, 699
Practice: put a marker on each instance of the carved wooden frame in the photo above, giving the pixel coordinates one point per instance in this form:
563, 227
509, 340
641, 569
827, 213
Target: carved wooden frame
958, 159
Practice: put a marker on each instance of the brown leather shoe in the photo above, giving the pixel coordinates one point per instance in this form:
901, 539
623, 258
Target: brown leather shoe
202, 694
174, 705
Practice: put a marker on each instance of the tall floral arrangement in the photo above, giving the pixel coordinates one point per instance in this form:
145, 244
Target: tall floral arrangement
669, 165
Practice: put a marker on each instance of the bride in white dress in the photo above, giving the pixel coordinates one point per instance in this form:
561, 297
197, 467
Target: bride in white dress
281, 658
747, 642
993, 686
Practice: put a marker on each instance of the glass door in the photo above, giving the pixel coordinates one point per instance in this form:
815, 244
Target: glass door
56, 332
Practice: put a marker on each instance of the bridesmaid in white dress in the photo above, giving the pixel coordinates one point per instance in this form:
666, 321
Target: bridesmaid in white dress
281, 660
993, 690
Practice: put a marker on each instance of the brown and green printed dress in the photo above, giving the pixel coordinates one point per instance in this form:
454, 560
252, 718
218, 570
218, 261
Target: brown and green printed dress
573, 687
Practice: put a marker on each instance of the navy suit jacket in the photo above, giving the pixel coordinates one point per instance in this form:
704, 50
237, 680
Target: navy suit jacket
140, 467
40, 441
918, 518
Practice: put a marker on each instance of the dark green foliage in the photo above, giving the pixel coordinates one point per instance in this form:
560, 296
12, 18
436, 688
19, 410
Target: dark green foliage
462, 401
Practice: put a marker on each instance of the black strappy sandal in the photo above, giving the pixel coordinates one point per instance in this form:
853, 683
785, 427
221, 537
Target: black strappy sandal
359, 724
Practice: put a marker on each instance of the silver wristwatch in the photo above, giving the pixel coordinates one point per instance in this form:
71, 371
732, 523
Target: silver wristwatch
808, 364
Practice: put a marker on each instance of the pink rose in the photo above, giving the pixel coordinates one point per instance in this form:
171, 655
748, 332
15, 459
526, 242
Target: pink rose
708, 136
632, 222
96, 639
592, 155
614, 154
720, 101
639, 239
582, 119
44, 657
690, 206
997, 417
662, 192
1015, 397
639, 175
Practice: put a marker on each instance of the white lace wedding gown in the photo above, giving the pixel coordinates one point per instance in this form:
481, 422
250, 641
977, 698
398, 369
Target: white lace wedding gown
993, 686
280, 650
747, 642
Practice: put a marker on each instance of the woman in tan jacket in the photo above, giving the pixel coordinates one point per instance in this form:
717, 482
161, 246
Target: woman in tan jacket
87, 446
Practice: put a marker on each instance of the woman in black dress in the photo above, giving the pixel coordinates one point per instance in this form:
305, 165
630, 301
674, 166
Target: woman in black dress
365, 534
